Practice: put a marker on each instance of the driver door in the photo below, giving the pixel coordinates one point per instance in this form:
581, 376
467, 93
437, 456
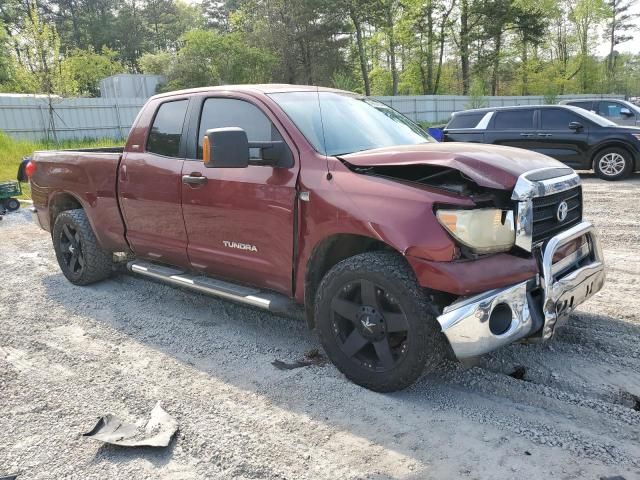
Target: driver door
240, 221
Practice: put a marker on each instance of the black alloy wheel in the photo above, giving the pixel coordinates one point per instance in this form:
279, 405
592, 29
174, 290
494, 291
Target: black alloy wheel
375, 322
71, 249
80, 256
369, 325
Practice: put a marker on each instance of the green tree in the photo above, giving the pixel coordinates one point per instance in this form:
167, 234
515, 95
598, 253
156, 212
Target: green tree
619, 29
586, 16
210, 58
87, 68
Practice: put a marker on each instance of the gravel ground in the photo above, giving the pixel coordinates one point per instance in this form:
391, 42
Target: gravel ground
71, 354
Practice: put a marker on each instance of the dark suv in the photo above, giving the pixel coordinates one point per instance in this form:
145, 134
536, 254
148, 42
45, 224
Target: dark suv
619, 112
577, 137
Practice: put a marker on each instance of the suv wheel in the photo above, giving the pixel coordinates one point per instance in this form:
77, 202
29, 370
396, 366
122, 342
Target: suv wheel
79, 255
374, 322
613, 164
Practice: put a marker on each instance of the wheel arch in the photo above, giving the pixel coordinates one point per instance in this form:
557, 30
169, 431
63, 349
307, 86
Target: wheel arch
60, 202
327, 253
615, 144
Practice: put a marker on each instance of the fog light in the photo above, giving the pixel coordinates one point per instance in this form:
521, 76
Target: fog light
500, 319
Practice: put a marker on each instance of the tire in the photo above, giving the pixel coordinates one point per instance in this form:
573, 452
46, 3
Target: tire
372, 305
613, 164
74, 237
11, 204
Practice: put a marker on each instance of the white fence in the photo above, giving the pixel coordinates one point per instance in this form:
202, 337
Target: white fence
438, 108
35, 118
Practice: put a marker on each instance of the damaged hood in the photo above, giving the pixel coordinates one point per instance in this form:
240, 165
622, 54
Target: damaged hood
489, 166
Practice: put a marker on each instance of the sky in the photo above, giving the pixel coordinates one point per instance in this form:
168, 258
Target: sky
633, 45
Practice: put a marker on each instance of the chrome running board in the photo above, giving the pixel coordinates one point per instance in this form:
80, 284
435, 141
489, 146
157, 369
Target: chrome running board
273, 302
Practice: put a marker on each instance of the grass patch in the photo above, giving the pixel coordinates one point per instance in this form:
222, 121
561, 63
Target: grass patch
12, 152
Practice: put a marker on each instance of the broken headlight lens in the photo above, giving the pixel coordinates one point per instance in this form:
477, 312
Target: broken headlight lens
483, 230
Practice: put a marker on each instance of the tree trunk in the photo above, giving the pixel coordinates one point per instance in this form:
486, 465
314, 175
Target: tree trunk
74, 23
392, 50
441, 42
430, 41
464, 46
361, 52
612, 45
525, 69
496, 64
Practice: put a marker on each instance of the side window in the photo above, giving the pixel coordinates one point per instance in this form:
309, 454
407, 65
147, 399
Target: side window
228, 112
610, 110
557, 119
521, 119
585, 105
166, 131
467, 120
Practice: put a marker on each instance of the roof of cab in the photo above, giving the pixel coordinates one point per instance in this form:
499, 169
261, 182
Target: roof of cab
265, 88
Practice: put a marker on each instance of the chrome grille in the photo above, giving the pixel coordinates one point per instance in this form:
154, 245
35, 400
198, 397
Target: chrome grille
545, 213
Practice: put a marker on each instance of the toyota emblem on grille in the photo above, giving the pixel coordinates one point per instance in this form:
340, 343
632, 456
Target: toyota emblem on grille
563, 210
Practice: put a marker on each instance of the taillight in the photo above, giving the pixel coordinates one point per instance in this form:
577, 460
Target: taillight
30, 168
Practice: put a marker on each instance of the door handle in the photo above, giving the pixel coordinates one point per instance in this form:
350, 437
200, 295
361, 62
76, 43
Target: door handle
194, 179
526, 134
545, 135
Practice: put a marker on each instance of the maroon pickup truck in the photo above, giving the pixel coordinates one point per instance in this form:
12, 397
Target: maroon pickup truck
401, 250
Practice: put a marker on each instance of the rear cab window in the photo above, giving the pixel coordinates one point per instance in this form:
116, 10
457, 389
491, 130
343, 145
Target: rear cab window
465, 120
521, 119
166, 131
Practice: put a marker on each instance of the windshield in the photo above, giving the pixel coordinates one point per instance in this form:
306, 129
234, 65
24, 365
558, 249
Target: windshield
338, 123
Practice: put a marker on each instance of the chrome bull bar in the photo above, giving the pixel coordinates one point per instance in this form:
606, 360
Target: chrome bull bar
563, 295
482, 323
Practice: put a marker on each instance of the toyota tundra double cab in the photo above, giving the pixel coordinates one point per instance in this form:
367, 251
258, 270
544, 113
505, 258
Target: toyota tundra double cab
400, 250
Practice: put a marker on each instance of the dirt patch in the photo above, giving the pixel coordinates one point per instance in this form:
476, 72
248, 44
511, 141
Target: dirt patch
68, 354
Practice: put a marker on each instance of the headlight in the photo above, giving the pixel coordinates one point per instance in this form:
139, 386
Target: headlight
483, 230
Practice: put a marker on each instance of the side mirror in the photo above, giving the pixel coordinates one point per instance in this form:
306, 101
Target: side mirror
625, 111
576, 126
225, 148
229, 148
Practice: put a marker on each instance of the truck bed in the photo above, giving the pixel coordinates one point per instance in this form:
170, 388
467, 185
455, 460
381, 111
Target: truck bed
85, 177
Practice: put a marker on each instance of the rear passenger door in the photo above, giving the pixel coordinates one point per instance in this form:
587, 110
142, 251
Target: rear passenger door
513, 128
556, 139
150, 186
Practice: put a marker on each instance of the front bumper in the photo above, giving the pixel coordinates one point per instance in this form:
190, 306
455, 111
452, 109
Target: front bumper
482, 323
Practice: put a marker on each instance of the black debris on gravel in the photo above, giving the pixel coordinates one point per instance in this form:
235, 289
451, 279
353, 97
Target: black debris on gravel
519, 373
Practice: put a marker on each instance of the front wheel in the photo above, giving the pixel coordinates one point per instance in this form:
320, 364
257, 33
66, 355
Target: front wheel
613, 164
79, 255
375, 324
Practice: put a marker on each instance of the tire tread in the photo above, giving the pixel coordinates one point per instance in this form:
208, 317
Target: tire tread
98, 263
428, 335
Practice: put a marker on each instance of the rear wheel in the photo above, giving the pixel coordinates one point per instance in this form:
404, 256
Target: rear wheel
375, 324
12, 204
613, 164
79, 255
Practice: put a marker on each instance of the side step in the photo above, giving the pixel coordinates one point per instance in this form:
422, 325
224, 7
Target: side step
273, 302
